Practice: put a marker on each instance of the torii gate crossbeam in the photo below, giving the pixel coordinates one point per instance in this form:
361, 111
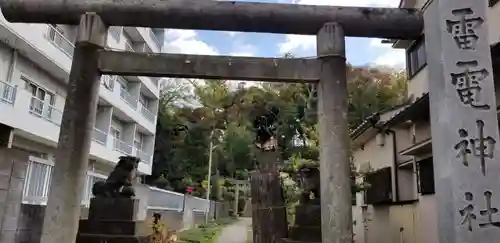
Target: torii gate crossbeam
222, 15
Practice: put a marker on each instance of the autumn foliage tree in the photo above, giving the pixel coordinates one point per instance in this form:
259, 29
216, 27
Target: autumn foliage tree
193, 113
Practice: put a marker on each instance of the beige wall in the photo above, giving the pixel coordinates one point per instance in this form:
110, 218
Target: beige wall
418, 84
426, 226
375, 155
494, 19
376, 222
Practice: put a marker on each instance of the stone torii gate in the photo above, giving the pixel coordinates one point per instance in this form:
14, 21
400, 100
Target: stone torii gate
458, 57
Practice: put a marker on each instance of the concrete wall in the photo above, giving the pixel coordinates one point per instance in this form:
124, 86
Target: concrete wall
13, 164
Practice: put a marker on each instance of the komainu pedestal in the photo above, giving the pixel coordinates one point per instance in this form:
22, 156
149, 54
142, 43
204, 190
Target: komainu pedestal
307, 227
111, 220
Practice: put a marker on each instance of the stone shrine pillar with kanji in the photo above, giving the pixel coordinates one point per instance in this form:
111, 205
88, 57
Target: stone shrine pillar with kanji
464, 122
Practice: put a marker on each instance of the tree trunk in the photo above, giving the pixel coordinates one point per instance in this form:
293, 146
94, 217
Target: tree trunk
268, 205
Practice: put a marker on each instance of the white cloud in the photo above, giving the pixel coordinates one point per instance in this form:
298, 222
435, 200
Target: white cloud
394, 58
298, 43
390, 57
186, 42
232, 33
243, 50
242, 54
354, 3
294, 43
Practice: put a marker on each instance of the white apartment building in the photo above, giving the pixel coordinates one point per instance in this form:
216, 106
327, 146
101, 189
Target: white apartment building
35, 61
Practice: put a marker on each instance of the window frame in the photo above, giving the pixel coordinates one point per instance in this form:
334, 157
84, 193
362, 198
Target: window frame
428, 161
412, 56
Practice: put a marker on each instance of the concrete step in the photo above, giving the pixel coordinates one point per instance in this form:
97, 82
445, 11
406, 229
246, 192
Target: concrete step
308, 215
99, 238
286, 240
305, 233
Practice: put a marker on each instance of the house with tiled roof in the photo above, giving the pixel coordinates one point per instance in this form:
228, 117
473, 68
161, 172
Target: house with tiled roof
394, 149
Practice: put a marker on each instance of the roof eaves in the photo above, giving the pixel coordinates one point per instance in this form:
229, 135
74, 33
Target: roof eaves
420, 103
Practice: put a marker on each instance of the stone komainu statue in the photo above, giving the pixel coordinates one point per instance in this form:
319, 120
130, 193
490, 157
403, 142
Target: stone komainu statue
265, 126
119, 182
310, 183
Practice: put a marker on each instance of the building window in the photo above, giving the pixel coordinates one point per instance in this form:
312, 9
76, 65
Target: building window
492, 3
380, 190
144, 101
40, 97
415, 57
138, 142
116, 32
425, 170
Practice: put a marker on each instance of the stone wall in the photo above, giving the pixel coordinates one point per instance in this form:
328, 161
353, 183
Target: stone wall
222, 209
30, 223
13, 165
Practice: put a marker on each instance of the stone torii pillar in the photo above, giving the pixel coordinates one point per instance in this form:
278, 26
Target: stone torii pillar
464, 121
335, 170
68, 179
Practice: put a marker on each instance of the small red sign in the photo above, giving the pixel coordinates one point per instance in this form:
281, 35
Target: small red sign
189, 190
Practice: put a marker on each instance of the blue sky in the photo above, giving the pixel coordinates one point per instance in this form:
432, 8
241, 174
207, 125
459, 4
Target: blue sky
360, 51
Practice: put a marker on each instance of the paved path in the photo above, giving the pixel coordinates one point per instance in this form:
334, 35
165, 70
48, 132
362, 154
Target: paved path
236, 232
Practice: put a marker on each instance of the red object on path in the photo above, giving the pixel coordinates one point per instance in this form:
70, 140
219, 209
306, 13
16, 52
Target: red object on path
189, 190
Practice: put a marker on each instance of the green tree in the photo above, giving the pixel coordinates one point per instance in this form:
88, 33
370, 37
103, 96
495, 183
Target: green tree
192, 115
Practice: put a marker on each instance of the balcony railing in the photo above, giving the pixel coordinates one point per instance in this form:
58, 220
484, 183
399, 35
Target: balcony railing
143, 155
153, 36
7, 92
100, 136
87, 192
108, 82
58, 39
40, 108
122, 147
128, 98
128, 46
147, 113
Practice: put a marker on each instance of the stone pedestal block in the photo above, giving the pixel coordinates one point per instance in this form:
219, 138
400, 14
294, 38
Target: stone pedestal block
113, 209
307, 228
111, 220
308, 215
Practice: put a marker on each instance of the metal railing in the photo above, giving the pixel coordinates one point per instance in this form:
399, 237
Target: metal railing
147, 113
154, 38
128, 98
160, 199
122, 147
7, 92
38, 179
40, 108
58, 39
200, 204
87, 192
37, 182
128, 46
108, 81
100, 136
143, 155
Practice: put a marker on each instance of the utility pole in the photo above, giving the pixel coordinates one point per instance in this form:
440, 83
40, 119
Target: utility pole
210, 147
